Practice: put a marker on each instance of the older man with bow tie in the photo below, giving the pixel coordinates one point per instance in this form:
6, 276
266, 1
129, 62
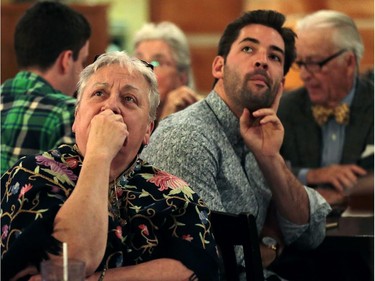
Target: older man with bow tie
329, 122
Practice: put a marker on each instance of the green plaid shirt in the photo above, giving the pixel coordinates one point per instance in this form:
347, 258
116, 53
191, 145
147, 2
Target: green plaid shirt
34, 117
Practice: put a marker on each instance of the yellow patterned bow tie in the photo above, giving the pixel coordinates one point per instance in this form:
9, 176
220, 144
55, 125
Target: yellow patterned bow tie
340, 112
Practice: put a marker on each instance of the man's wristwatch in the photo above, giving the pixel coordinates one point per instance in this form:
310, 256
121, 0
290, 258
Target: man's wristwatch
271, 243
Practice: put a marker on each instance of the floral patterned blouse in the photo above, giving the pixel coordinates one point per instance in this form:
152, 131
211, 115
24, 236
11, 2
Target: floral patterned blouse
152, 214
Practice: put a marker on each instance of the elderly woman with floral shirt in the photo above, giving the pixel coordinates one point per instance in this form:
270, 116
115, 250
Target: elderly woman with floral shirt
123, 217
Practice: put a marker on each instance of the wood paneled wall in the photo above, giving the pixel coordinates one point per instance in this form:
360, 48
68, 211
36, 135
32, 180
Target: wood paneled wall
203, 21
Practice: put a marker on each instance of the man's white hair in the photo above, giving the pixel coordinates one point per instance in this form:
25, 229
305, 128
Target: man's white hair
346, 34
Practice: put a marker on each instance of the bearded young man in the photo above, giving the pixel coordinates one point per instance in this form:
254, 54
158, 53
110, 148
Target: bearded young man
227, 145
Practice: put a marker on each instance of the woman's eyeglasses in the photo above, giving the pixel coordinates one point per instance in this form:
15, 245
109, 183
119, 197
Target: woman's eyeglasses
147, 64
95, 58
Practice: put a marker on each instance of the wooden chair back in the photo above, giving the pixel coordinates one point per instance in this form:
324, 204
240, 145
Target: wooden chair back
231, 230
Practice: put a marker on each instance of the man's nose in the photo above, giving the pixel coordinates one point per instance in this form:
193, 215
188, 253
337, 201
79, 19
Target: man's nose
261, 60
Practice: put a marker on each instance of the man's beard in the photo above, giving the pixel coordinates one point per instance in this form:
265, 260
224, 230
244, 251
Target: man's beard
243, 93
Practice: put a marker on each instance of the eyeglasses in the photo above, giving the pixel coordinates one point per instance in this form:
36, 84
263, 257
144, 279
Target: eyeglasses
149, 65
96, 57
317, 66
155, 63
162, 63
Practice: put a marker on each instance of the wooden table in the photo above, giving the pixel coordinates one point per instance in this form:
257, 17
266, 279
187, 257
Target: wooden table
361, 197
347, 252
348, 248
352, 234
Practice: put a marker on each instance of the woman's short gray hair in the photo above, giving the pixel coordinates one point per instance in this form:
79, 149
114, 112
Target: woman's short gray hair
346, 35
176, 40
129, 63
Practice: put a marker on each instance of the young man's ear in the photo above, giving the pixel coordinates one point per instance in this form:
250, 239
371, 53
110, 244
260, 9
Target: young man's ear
218, 67
65, 60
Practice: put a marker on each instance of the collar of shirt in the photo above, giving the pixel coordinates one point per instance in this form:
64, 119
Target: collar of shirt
226, 118
34, 80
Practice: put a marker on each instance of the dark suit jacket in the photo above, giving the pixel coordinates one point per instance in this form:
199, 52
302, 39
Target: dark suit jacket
302, 144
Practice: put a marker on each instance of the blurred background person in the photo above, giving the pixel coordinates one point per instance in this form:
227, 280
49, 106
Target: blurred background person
329, 122
165, 46
37, 107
